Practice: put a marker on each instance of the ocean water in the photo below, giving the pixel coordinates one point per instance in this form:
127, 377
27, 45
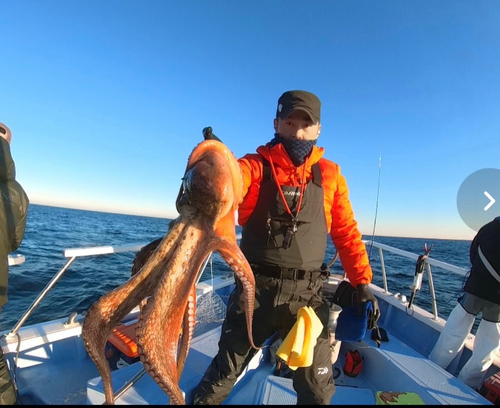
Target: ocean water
50, 230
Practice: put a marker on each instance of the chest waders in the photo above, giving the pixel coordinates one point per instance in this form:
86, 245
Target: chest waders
285, 245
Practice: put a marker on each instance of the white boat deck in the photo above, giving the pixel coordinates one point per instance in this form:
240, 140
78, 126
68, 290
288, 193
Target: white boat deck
409, 372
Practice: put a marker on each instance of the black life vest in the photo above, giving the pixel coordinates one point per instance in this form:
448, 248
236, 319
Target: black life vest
266, 230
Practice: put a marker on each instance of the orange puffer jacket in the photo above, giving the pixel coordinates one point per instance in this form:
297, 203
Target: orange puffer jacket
344, 231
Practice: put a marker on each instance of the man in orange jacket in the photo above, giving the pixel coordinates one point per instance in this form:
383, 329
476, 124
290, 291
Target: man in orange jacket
293, 198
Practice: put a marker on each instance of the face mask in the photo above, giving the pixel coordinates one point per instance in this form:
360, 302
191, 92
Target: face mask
297, 149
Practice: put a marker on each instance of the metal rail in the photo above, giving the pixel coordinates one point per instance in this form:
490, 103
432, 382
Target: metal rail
428, 262
72, 254
16, 259
42, 294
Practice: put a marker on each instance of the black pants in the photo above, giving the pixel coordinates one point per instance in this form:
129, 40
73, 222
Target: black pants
276, 305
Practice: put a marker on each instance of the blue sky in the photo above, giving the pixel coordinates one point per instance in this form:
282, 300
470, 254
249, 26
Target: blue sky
106, 99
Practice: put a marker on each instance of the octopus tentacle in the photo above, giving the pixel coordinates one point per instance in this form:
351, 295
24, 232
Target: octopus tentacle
232, 254
159, 325
112, 307
188, 325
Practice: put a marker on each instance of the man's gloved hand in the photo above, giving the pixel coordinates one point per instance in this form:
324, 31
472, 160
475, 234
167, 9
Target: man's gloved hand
208, 134
364, 294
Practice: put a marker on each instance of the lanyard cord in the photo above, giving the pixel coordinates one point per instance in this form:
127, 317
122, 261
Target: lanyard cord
302, 188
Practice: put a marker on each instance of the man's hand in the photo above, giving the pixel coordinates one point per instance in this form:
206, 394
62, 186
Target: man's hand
364, 294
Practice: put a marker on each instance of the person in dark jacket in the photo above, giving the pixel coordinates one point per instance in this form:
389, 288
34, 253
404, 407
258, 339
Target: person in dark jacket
13, 213
293, 199
482, 293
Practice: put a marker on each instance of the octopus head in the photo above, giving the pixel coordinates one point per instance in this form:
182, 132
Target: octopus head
212, 183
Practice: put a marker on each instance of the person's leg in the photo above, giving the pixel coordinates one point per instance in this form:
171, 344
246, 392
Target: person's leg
234, 349
7, 392
219, 379
452, 338
486, 347
315, 385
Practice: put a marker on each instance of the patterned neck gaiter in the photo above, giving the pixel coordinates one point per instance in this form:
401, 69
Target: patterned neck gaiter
297, 149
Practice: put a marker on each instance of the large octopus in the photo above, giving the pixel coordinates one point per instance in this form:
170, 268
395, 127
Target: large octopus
209, 195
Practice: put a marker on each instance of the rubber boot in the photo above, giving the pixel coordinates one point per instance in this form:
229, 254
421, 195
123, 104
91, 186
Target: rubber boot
452, 338
486, 347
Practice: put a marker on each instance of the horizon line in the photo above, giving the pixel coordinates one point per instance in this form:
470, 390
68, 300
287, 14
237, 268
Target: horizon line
138, 214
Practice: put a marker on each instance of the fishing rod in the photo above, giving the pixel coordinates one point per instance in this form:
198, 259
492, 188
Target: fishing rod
419, 273
376, 204
376, 212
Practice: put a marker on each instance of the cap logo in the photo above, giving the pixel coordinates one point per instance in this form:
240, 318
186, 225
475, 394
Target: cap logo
280, 107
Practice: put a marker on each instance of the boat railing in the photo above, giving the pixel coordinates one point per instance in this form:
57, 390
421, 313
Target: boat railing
427, 264
16, 259
73, 253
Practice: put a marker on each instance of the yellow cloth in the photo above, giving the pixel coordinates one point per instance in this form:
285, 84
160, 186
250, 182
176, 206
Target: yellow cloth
297, 348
